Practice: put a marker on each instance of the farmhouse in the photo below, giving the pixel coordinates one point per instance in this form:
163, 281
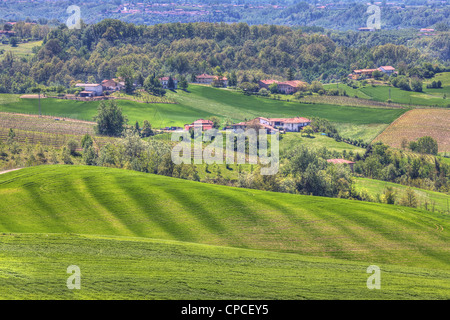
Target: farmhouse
342, 161
97, 89
200, 123
87, 94
220, 82
208, 79
387, 70
286, 87
204, 79
165, 82
289, 87
111, 85
368, 72
273, 125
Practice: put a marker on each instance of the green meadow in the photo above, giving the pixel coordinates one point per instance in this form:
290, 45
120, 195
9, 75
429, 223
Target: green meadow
292, 139
23, 50
437, 200
33, 266
203, 102
141, 236
429, 97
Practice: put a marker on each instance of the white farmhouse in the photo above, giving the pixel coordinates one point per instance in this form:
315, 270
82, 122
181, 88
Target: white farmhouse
97, 89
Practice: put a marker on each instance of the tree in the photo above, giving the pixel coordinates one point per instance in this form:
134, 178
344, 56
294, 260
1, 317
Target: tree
248, 87
127, 74
171, 83
416, 84
409, 199
110, 120
308, 131
146, 129
290, 74
183, 83
153, 86
427, 145
316, 86
233, 81
389, 195
72, 146
87, 141
273, 88
216, 122
13, 42
377, 74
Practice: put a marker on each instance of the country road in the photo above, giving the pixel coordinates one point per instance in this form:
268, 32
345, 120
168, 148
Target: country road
6, 171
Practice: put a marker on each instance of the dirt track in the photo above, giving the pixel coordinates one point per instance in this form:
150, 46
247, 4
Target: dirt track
6, 171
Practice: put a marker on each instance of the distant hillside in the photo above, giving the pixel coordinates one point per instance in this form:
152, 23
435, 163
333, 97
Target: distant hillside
342, 15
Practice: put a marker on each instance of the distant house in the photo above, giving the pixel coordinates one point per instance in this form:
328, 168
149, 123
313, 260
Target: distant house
112, 85
387, 70
289, 87
273, 125
266, 83
165, 82
286, 87
209, 80
220, 82
427, 32
204, 79
87, 94
200, 123
363, 72
342, 161
97, 89
368, 72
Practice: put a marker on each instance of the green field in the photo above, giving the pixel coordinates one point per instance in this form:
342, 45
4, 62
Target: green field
34, 267
203, 102
439, 200
293, 139
429, 97
205, 241
23, 50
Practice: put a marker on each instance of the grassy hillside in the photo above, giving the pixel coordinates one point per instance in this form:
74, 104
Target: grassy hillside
34, 267
23, 50
429, 97
106, 201
203, 102
292, 139
438, 199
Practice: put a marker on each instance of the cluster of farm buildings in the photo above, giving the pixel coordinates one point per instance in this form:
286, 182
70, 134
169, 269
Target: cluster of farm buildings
271, 125
367, 73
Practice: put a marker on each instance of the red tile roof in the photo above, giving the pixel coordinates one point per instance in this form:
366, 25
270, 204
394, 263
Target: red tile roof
205, 76
388, 68
340, 161
290, 120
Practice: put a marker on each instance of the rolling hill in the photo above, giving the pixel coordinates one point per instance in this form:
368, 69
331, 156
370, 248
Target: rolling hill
151, 237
